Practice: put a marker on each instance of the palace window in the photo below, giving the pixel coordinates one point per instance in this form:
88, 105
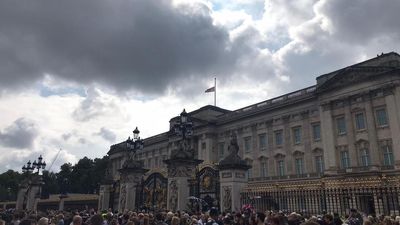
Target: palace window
365, 161
278, 137
387, 155
319, 164
299, 164
381, 117
221, 150
263, 167
344, 159
341, 125
262, 141
297, 135
149, 163
316, 129
281, 168
360, 121
247, 144
249, 171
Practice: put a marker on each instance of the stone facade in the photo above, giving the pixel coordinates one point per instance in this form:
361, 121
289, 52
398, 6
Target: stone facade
345, 127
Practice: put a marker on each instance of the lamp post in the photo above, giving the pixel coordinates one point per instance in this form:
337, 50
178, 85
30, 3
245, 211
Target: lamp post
184, 127
134, 144
34, 183
30, 167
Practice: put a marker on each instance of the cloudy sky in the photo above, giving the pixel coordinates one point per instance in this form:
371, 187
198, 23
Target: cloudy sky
79, 75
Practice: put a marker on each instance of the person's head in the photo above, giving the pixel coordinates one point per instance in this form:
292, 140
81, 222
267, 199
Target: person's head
260, 217
96, 220
2, 222
43, 221
213, 212
175, 220
227, 221
328, 218
274, 220
60, 216
27, 222
170, 215
159, 216
77, 220
367, 222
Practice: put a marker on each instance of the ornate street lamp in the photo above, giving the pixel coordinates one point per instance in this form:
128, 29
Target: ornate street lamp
134, 144
30, 167
184, 127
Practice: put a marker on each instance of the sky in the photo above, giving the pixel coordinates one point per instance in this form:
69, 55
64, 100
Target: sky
80, 75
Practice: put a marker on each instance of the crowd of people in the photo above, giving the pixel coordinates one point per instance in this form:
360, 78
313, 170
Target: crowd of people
212, 217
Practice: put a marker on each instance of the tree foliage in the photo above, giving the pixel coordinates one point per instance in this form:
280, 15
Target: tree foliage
83, 177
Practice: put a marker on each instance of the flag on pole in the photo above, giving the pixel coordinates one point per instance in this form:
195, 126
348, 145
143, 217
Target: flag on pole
211, 89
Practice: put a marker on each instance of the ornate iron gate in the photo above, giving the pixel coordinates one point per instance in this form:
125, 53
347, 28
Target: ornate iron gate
152, 193
206, 187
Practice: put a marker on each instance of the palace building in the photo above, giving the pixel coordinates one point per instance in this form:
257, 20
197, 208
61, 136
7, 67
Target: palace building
329, 147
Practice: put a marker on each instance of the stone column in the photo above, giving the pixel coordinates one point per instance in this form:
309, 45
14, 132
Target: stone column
104, 196
33, 191
19, 205
180, 170
232, 182
372, 136
130, 178
233, 177
328, 141
394, 123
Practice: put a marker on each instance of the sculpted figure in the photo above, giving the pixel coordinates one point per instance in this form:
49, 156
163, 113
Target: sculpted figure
233, 147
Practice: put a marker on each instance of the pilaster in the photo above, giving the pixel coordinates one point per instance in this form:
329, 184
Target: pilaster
327, 134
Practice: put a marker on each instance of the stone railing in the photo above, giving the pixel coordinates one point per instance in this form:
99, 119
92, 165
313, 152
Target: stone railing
287, 177
274, 101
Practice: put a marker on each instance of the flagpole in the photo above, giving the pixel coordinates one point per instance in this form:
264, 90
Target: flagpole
215, 91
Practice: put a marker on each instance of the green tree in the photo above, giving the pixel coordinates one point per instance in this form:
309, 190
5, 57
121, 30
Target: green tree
9, 182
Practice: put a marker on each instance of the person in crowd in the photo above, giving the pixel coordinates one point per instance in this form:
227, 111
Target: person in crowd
212, 220
96, 219
27, 222
260, 217
76, 220
43, 221
327, 219
175, 220
159, 219
354, 218
169, 218
336, 219
60, 219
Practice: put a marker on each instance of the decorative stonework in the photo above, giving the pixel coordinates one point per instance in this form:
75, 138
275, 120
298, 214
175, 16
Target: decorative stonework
181, 171
122, 201
227, 199
173, 199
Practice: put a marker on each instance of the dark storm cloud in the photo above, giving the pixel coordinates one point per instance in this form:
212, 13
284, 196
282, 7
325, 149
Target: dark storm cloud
106, 134
359, 21
142, 44
20, 134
